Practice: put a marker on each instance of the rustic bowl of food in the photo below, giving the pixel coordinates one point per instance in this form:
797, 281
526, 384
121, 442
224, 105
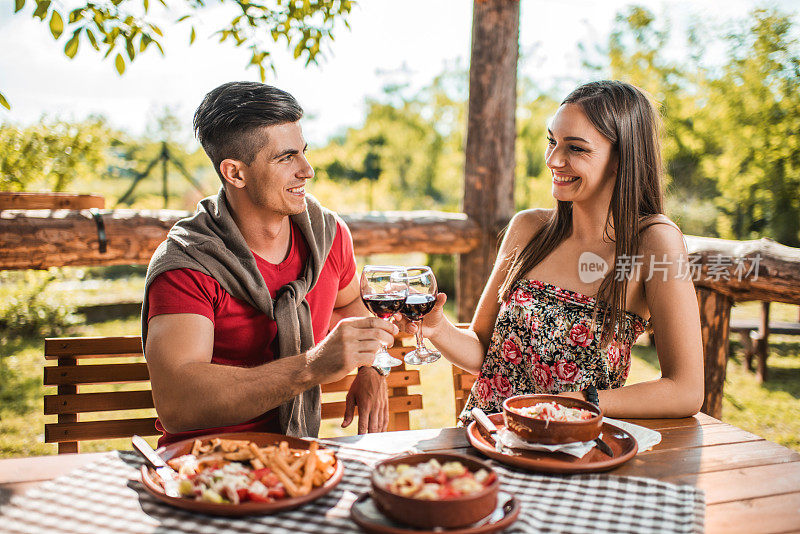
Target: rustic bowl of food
550, 419
435, 489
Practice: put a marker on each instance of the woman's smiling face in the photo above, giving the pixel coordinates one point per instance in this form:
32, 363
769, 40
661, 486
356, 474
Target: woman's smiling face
582, 162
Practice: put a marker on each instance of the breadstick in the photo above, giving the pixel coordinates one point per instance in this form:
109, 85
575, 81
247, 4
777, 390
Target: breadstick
280, 462
290, 486
311, 467
259, 454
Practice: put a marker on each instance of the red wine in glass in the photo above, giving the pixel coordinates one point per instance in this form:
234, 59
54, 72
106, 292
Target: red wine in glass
421, 299
417, 306
384, 291
384, 305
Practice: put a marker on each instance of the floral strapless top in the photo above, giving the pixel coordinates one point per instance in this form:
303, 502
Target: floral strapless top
544, 342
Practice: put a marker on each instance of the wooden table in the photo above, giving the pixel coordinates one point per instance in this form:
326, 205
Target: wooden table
752, 485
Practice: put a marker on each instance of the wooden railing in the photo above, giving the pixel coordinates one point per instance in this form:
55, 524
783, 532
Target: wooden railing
727, 271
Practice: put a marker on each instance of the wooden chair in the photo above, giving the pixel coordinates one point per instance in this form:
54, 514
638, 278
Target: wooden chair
102, 362
462, 383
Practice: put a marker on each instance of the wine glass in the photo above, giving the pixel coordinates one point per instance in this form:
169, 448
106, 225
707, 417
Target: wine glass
384, 290
421, 299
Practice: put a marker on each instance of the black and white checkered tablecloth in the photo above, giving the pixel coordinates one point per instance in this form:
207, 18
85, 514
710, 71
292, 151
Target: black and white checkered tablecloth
107, 497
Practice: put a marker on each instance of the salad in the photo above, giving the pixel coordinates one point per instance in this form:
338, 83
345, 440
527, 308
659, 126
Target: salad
432, 480
553, 411
236, 471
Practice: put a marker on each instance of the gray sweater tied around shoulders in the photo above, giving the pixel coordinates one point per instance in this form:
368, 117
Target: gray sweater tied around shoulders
210, 242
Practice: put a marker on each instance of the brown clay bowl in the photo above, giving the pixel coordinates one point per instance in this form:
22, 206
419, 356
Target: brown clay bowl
551, 432
446, 513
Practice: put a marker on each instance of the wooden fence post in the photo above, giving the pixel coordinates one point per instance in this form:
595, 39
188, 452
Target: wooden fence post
715, 318
491, 136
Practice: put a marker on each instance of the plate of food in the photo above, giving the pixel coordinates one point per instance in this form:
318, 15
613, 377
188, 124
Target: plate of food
622, 444
244, 473
434, 491
550, 419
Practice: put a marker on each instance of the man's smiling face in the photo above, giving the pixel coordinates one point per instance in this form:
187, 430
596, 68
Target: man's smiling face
276, 178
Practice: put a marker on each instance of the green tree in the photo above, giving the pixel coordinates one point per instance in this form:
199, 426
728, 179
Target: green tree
125, 28
407, 155
53, 153
752, 122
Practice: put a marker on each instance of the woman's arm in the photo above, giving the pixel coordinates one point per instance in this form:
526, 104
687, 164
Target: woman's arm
467, 348
676, 323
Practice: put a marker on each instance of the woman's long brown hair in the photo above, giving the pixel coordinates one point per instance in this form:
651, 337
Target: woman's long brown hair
627, 118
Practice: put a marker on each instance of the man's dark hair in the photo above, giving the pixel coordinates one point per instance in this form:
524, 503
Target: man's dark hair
229, 119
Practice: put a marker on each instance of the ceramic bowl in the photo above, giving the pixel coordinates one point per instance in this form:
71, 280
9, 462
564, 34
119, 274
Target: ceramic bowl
446, 513
551, 432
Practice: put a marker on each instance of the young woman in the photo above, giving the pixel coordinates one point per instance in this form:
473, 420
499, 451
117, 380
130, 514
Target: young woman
573, 287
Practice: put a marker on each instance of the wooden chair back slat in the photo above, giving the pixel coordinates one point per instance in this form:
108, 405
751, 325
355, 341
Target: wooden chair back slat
87, 430
92, 347
396, 379
68, 374
406, 403
111, 373
98, 402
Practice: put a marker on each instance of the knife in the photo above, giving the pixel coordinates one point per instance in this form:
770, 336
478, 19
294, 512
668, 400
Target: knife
169, 478
603, 446
483, 420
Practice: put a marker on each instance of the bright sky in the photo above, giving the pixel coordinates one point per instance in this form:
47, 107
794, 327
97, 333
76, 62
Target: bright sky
421, 36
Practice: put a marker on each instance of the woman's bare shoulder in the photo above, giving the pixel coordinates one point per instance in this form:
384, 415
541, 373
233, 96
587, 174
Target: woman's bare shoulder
522, 228
658, 233
528, 222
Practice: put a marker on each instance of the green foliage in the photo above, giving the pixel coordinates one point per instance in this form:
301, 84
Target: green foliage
26, 310
53, 153
407, 155
753, 125
730, 131
90, 156
127, 27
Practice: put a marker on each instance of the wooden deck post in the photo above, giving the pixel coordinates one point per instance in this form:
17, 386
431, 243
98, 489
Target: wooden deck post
491, 136
715, 317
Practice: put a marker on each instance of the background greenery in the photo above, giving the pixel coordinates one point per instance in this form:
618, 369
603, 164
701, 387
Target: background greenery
731, 141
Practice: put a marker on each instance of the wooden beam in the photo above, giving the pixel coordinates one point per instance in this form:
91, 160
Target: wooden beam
491, 134
42, 239
10, 200
760, 269
715, 318
432, 232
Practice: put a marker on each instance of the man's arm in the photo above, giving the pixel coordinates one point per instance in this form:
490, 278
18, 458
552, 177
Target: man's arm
190, 392
368, 390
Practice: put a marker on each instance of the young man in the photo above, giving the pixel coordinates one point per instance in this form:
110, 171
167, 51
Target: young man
253, 302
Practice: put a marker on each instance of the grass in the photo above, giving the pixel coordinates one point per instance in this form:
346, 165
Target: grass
771, 410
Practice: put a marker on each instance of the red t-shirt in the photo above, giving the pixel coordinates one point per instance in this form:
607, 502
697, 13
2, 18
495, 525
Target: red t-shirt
244, 336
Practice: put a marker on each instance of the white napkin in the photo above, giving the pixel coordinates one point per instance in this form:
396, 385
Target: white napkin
507, 441
645, 438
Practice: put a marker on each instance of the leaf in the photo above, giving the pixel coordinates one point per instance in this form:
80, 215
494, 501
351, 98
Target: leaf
192, 36
129, 48
146, 5
181, 19
92, 39
56, 24
144, 41
18, 5
3, 101
75, 15
71, 48
119, 63
41, 8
